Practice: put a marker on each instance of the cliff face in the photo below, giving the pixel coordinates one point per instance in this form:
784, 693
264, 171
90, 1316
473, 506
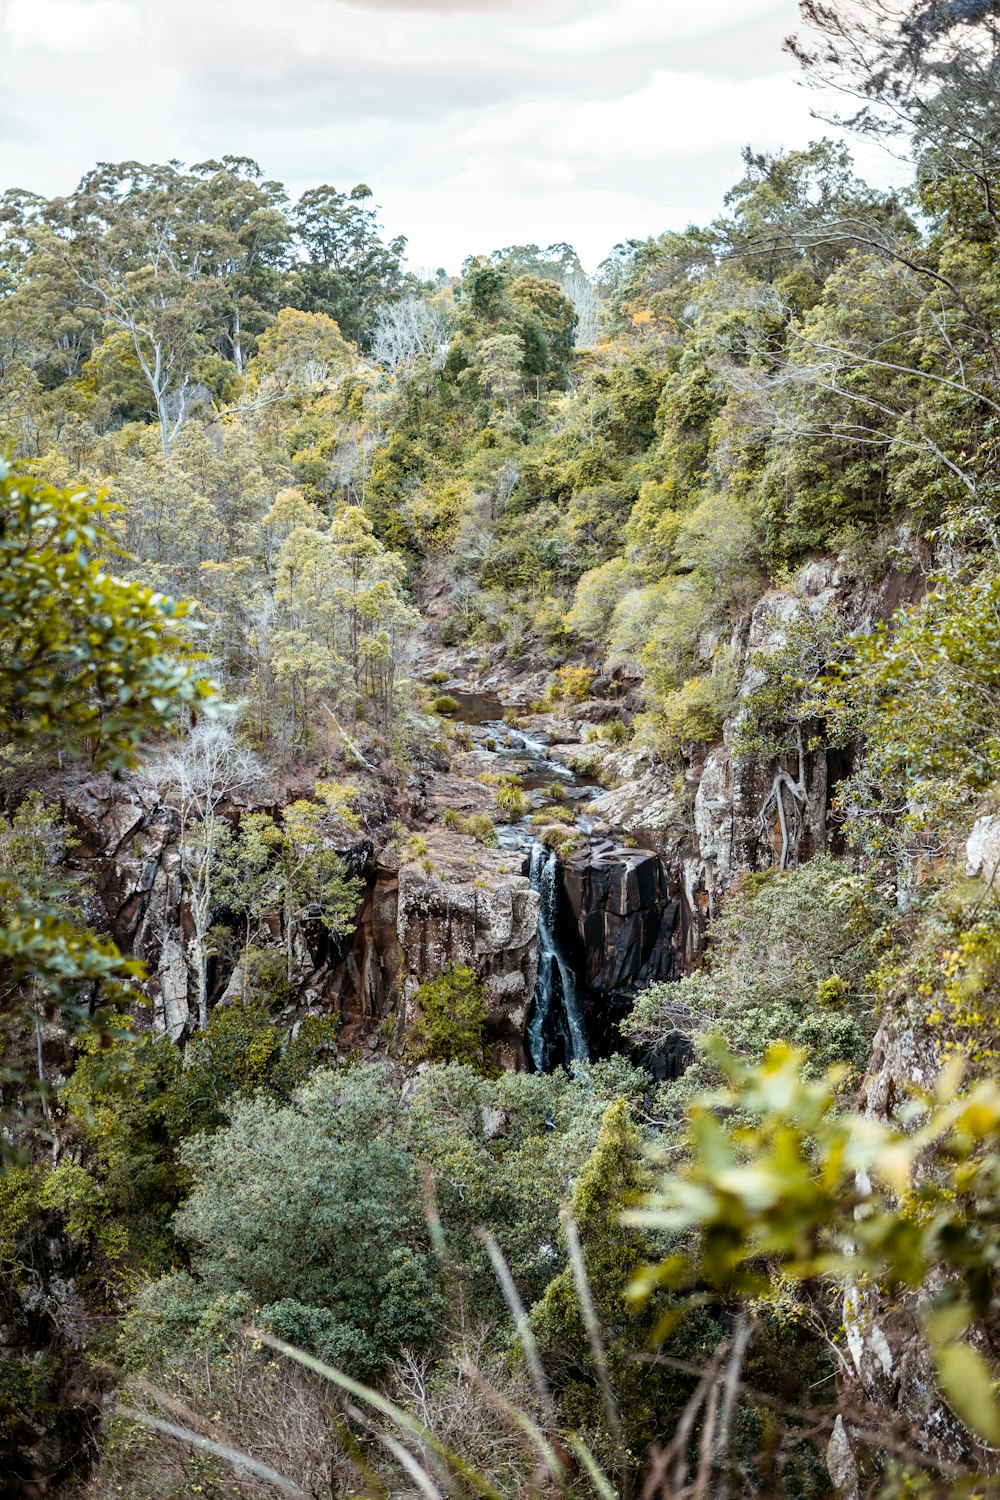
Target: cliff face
709, 830
472, 907
628, 915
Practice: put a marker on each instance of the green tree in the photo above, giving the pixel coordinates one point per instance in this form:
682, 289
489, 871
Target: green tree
613, 1180
251, 250
89, 666
350, 270
316, 1205
139, 241
292, 867
451, 1022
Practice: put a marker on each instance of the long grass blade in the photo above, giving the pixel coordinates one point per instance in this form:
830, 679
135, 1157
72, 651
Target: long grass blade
402, 1455
602, 1484
513, 1299
595, 1337
521, 1419
402, 1419
231, 1456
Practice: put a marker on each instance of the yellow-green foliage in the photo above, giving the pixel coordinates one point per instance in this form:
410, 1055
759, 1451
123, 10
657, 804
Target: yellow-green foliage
85, 1206
477, 825
802, 1189
612, 1181
565, 841
451, 1024
511, 798
233, 1055
18, 1206
570, 685
690, 714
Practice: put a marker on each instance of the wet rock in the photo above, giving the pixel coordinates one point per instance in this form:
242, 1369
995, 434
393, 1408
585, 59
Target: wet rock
621, 926
669, 1058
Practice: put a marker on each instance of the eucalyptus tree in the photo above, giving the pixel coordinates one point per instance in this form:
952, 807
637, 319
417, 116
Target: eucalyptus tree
350, 270
251, 251
205, 770
139, 241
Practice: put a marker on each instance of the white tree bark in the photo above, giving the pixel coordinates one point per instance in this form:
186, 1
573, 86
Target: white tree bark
204, 770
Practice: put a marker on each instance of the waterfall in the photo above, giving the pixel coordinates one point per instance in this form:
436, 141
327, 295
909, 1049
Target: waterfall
555, 1006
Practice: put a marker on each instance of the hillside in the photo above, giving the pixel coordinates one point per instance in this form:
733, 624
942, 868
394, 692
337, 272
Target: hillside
499, 833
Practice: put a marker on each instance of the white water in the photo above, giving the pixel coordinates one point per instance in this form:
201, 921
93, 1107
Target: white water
543, 871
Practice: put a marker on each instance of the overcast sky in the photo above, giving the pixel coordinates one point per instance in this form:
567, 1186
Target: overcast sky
477, 123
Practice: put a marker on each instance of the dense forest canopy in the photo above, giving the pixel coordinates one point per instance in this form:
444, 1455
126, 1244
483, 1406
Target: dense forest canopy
266, 497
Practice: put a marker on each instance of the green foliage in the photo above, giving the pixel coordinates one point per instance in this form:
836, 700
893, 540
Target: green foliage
479, 826
350, 269
451, 1024
91, 664
293, 867
612, 1180
121, 1100
505, 1154
691, 714
233, 1055
789, 961
815, 1192
317, 1202
923, 690
84, 1205
510, 797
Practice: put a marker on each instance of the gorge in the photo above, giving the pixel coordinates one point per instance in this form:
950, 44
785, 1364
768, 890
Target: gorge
500, 826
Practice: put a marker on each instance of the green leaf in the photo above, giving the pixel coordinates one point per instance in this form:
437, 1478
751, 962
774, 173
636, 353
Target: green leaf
967, 1381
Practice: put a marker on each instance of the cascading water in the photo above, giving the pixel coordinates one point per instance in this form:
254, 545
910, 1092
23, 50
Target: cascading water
555, 1009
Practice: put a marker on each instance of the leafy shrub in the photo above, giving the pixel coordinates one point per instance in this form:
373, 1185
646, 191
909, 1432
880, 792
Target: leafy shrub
511, 798
691, 714
317, 1202
451, 1026
418, 851
477, 825
564, 841
313, 1046
233, 1055
570, 685
615, 731
788, 961
480, 826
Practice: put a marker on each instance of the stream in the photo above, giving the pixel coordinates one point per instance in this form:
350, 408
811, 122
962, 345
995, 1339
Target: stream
555, 1030
545, 782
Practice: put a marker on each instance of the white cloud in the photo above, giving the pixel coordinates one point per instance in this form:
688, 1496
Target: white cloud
477, 122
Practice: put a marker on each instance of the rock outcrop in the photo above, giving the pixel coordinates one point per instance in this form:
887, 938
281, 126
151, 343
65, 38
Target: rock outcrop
620, 925
474, 907
707, 825
487, 924
887, 1364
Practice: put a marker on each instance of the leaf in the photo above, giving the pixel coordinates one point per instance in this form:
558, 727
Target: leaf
967, 1381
